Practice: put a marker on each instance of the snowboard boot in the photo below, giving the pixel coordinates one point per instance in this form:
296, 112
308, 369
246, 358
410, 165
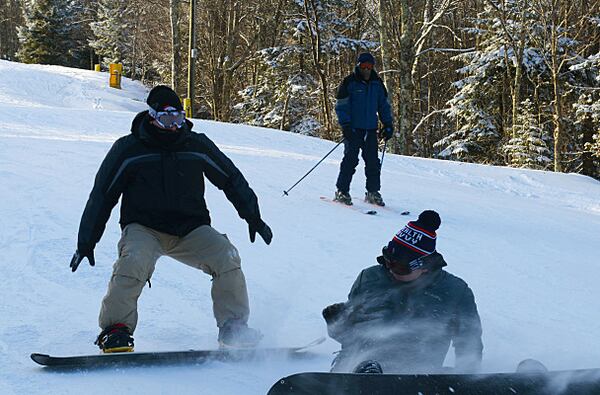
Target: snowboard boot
115, 338
369, 367
235, 334
343, 197
374, 198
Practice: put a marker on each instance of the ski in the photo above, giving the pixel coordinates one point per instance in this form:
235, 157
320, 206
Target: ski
363, 210
581, 382
352, 207
386, 208
175, 357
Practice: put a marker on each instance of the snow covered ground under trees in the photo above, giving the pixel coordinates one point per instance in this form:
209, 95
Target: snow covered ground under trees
526, 242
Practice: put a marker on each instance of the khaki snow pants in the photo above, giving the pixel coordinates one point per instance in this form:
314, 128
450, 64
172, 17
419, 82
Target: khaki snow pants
203, 248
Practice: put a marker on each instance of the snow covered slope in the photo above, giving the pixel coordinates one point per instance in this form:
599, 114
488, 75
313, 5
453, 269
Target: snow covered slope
526, 242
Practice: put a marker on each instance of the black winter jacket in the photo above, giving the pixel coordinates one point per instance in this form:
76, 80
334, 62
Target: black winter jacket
408, 327
161, 179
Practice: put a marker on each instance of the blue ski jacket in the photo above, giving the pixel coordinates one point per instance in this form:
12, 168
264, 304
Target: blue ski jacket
359, 102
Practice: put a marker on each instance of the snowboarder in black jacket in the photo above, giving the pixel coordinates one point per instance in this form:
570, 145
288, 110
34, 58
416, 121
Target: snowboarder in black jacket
158, 170
402, 315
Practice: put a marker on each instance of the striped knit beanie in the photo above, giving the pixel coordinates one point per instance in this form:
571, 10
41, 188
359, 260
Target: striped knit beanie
416, 240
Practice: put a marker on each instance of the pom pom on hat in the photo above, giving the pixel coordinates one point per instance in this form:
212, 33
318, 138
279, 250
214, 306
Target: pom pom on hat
429, 220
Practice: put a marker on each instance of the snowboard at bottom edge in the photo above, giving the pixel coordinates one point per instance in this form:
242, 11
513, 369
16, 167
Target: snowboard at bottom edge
174, 357
580, 382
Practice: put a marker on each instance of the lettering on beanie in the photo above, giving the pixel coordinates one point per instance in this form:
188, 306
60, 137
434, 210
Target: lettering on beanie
416, 239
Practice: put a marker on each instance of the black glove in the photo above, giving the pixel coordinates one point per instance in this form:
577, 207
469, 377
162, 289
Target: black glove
332, 312
348, 133
386, 133
262, 229
78, 257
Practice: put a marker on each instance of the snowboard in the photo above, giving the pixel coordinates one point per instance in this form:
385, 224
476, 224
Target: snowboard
580, 382
175, 357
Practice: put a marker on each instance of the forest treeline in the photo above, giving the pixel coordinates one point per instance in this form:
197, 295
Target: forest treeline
503, 82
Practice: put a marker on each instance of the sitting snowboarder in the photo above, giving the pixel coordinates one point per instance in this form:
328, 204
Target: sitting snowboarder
402, 314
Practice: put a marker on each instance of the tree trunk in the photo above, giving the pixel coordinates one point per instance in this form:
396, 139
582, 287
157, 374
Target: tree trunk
284, 111
315, 39
587, 159
175, 45
386, 54
227, 54
518, 74
406, 89
555, 63
558, 126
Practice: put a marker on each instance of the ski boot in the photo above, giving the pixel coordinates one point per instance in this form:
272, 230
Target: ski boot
115, 338
374, 198
236, 334
343, 197
369, 367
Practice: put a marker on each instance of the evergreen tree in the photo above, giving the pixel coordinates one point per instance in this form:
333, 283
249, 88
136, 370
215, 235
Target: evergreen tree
505, 67
287, 94
45, 38
112, 32
476, 104
11, 18
529, 146
587, 113
323, 29
81, 12
282, 98
474, 108
333, 19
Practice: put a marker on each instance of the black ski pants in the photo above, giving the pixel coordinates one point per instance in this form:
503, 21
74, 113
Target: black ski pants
365, 141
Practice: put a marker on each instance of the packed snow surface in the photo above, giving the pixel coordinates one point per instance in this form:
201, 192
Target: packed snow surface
525, 241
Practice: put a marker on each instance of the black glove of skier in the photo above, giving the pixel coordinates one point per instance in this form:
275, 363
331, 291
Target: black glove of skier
386, 133
348, 133
332, 312
262, 229
78, 257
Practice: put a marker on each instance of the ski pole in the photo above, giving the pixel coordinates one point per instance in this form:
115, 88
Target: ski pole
285, 193
382, 155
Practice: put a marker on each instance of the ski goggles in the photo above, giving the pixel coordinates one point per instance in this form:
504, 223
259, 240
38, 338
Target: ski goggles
168, 118
366, 66
402, 267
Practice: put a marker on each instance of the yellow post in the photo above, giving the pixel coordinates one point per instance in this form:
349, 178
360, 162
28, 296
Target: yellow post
115, 71
96, 67
187, 107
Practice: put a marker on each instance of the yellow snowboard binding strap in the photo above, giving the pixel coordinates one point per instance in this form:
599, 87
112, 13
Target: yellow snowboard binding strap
115, 338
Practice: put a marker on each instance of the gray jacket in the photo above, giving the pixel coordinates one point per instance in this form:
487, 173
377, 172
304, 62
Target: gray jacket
408, 327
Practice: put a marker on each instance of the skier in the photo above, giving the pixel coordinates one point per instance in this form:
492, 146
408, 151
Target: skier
159, 171
402, 314
360, 97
